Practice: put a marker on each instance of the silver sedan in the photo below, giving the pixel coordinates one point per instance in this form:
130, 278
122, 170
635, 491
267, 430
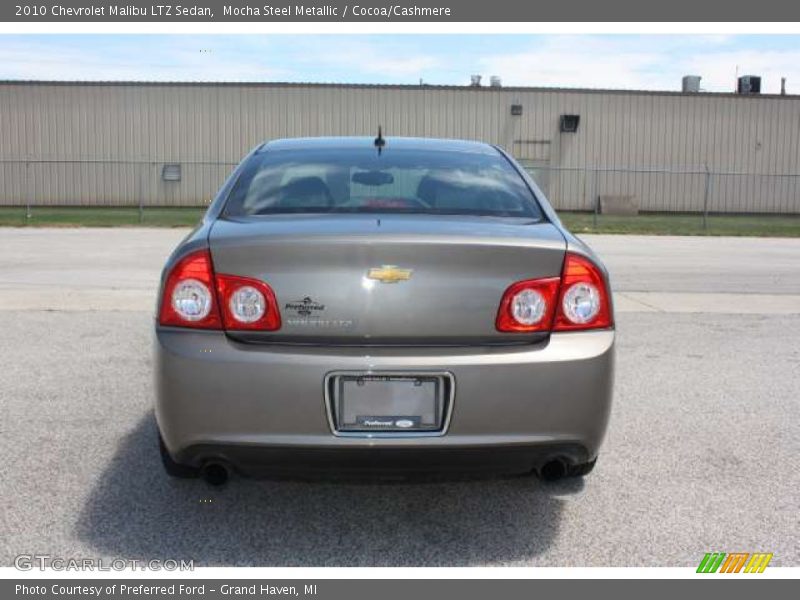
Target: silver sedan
384, 305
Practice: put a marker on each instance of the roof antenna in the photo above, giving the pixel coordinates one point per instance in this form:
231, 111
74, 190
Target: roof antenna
379, 141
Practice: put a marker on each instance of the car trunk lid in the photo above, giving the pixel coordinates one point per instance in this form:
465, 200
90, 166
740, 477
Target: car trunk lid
387, 279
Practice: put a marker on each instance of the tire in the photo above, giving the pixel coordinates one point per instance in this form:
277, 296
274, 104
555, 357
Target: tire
582, 469
175, 469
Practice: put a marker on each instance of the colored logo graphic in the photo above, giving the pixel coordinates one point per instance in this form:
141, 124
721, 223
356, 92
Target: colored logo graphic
735, 562
389, 274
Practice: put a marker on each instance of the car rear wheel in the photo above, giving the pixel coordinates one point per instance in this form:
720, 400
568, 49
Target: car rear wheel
175, 469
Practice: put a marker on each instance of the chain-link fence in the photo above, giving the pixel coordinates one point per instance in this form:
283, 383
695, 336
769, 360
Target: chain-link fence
598, 193
664, 189
105, 183
668, 199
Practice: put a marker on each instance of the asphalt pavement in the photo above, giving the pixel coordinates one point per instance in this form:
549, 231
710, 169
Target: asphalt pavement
701, 453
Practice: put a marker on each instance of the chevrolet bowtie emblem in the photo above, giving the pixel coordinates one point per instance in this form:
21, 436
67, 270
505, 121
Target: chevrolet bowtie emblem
389, 274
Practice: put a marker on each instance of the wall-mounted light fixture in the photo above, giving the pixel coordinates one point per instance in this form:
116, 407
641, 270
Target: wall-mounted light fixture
569, 123
516, 110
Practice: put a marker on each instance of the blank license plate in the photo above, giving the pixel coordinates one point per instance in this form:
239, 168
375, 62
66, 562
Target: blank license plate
388, 403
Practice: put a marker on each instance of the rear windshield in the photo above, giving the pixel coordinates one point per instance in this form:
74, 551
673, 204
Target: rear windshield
397, 180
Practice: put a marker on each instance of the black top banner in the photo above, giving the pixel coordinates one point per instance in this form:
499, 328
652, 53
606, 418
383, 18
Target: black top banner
408, 11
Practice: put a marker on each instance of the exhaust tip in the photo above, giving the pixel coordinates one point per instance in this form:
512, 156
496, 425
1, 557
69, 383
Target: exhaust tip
215, 473
553, 470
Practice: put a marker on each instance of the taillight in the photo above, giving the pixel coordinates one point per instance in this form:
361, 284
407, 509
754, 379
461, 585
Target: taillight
189, 296
577, 300
584, 301
247, 304
194, 296
528, 306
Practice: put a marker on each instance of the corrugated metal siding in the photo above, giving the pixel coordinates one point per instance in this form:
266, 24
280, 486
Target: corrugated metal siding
125, 133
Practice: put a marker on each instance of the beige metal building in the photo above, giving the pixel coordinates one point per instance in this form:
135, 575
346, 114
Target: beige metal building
78, 143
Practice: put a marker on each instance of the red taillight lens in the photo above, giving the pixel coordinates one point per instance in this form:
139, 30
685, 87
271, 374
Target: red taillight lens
194, 296
247, 304
528, 306
189, 298
584, 301
577, 300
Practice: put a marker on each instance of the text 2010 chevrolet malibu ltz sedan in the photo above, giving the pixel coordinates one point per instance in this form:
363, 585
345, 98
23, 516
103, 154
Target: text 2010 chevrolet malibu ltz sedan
385, 304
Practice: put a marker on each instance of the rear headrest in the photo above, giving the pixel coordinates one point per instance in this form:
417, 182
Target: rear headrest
306, 186
430, 187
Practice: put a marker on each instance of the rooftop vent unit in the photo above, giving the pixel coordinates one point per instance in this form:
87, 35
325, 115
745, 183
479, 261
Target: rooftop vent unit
749, 84
690, 84
495, 81
475, 81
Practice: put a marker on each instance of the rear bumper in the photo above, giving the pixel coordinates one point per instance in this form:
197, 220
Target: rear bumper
324, 462
263, 406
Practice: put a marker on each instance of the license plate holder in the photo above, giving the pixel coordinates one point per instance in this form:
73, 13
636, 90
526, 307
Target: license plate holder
388, 403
